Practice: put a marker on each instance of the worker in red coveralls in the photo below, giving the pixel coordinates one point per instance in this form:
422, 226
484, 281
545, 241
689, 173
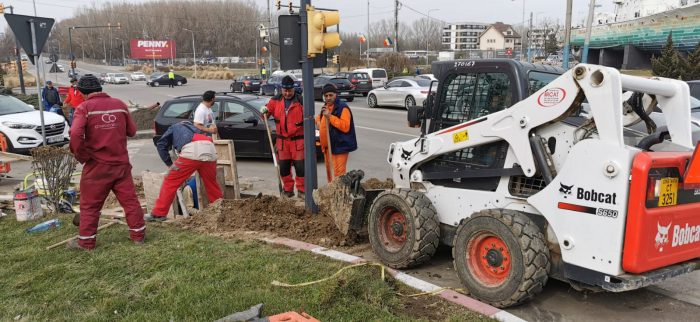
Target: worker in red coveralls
98, 141
196, 152
289, 118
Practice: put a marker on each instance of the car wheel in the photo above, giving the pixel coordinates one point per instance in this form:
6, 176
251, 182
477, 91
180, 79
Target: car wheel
410, 101
179, 83
350, 99
156, 84
372, 101
364, 94
10, 147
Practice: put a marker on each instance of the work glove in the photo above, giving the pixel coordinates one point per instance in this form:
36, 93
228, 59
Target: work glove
264, 110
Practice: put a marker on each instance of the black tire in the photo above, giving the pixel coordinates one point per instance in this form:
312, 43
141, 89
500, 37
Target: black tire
409, 101
365, 94
403, 228
501, 257
156, 84
350, 99
179, 83
372, 101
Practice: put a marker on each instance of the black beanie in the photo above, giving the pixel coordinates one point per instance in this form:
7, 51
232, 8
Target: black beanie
329, 88
287, 82
89, 84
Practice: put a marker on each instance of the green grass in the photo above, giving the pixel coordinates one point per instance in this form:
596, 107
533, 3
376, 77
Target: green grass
181, 275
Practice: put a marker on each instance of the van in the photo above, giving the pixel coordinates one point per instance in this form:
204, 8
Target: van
377, 75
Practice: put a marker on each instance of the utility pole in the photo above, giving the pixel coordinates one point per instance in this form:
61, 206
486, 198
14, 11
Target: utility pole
18, 60
396, 26
368, 42
589, 24
529, 41
194, 53
567, 35
307, 68
269, 44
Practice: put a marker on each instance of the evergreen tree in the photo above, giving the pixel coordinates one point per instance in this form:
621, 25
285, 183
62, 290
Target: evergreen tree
692, 65
669, 63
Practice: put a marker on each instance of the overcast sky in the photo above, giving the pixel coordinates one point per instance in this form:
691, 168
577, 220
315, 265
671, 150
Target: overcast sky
353, 13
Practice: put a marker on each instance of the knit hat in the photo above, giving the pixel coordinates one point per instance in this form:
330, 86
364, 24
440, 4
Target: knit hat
329, 88
287, 82
89, 84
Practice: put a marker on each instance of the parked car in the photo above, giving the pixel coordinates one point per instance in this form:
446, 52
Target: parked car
103, 78
345, 89
694, 88
429, 77
246, 84
377, 75
361, 80
162, 79
404, 92
138, 76
20, 123
60, 68
72, 74
119, 78
237, 118
273, 86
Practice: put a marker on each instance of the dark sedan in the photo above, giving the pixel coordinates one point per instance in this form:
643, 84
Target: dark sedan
361, 80
246, 84
345, 88
238, 118
162, 79
273, 86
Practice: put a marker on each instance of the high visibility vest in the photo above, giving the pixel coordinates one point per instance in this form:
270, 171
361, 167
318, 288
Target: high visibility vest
264, 71
171, 75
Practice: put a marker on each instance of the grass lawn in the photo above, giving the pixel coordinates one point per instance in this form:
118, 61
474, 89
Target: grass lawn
181, 275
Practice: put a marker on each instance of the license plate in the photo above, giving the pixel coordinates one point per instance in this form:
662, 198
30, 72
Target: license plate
54, 139
256, 83
363, 82
344, 93
669, 192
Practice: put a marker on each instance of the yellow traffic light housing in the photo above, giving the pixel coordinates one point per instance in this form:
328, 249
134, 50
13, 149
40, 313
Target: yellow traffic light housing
319, 39
2, 8
73, 64
336, 59
278, 4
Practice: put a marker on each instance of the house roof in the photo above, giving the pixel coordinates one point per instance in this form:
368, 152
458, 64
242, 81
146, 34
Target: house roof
502, 28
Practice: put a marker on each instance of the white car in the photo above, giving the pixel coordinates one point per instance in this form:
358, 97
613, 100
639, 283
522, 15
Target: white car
119, 78
138, 76
430, 77
20, 123
404, 92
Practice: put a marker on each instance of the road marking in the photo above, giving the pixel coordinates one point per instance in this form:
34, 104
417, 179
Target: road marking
385, 131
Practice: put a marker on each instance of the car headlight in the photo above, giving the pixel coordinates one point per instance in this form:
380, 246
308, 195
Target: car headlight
15, 125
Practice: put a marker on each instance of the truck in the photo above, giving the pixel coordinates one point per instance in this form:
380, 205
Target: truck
530, 172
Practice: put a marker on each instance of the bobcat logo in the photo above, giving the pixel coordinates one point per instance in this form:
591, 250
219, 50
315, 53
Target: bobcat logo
565, 189
661, 236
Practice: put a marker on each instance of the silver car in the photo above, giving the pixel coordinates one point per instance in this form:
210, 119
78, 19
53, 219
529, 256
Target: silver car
138, 76
404, 92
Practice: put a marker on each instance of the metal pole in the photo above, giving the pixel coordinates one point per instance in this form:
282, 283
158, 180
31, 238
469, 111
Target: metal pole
269, 45
529, 41
104, 47
567, 35
37, 55
368, 42
522, 36
396, 26
257, 66
589, 23
427, 39
310, 183
18, 62
194, 55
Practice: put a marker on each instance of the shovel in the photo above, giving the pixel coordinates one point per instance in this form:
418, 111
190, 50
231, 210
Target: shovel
274, 157
329, 160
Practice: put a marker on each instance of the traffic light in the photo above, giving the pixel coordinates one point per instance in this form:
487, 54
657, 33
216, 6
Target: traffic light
291, 10
319, 39
336, 59
73, 64
2, 8
24, 65
278, 4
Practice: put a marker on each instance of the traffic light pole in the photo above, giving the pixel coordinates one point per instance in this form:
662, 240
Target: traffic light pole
18, 61
307, 69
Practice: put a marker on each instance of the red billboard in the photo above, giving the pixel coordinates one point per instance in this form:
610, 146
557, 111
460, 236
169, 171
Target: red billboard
150, 49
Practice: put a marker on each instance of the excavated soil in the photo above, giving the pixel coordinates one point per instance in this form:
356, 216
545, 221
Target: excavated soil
374, 183
281, 217
144, 118
112, 202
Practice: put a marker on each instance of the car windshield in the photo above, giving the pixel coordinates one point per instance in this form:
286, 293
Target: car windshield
343, 81
156, 75
252, 78
11, 105
423, 82
258, 103
119, 75
361, 75
379, 73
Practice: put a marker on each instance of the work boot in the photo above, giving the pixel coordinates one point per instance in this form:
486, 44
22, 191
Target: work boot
76, 219
288, 194
74, 245
301, 195
152, 218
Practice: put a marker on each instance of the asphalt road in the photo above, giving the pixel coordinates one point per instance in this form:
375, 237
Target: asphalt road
674, 300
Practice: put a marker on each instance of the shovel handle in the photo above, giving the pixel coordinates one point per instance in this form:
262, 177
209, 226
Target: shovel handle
274, 157
330, 150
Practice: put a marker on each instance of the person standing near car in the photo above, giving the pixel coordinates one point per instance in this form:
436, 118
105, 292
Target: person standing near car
203, 116
288, 112
171, 78
50, 97
74, 99
342, 131
101, 125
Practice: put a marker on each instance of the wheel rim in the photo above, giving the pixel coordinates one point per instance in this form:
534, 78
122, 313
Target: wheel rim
179, 83
410, 102
372, 101
393, 229
156, 84
275, 94
488, 258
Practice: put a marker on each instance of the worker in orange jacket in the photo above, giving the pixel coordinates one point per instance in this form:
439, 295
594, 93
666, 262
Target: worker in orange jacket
342, 131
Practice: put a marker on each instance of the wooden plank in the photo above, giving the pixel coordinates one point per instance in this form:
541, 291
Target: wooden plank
234, 170
201, 193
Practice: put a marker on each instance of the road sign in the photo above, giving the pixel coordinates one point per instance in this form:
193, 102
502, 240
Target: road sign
21, 27
290, 44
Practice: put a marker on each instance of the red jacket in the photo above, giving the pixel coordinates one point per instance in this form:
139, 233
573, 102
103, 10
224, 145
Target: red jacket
74, 97
290, 125
100, 127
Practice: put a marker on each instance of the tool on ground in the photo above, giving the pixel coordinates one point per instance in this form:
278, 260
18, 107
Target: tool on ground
529, 183
107, 225
274, 157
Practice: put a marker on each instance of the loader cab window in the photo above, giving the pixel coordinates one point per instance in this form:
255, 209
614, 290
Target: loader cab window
537, 80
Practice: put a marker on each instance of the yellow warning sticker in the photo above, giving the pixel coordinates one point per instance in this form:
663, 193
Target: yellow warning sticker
460, 136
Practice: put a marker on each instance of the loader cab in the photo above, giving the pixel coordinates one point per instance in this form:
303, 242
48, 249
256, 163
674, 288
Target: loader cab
470, 90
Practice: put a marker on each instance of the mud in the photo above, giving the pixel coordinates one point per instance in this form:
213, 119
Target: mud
374, 183
269, 214
144, 118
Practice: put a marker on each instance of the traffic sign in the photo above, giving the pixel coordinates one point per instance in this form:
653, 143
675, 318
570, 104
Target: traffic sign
21, 27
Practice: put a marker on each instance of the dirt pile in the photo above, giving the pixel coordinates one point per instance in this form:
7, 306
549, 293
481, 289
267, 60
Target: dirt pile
144, 118
281, 217
112, 202
374, 183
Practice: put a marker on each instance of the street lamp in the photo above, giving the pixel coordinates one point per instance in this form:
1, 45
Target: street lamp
194, 53
427, 39
522, 34
104, 47
123, 55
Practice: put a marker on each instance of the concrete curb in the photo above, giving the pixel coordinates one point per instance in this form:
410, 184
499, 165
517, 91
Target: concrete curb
421, 285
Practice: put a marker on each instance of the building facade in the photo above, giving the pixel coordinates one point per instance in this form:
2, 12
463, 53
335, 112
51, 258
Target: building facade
499, 36
463, 36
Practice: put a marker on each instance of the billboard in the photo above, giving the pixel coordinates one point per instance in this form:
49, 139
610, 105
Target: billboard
152, 49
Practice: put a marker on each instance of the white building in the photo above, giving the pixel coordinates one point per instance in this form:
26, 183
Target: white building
463, 36
499, 36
